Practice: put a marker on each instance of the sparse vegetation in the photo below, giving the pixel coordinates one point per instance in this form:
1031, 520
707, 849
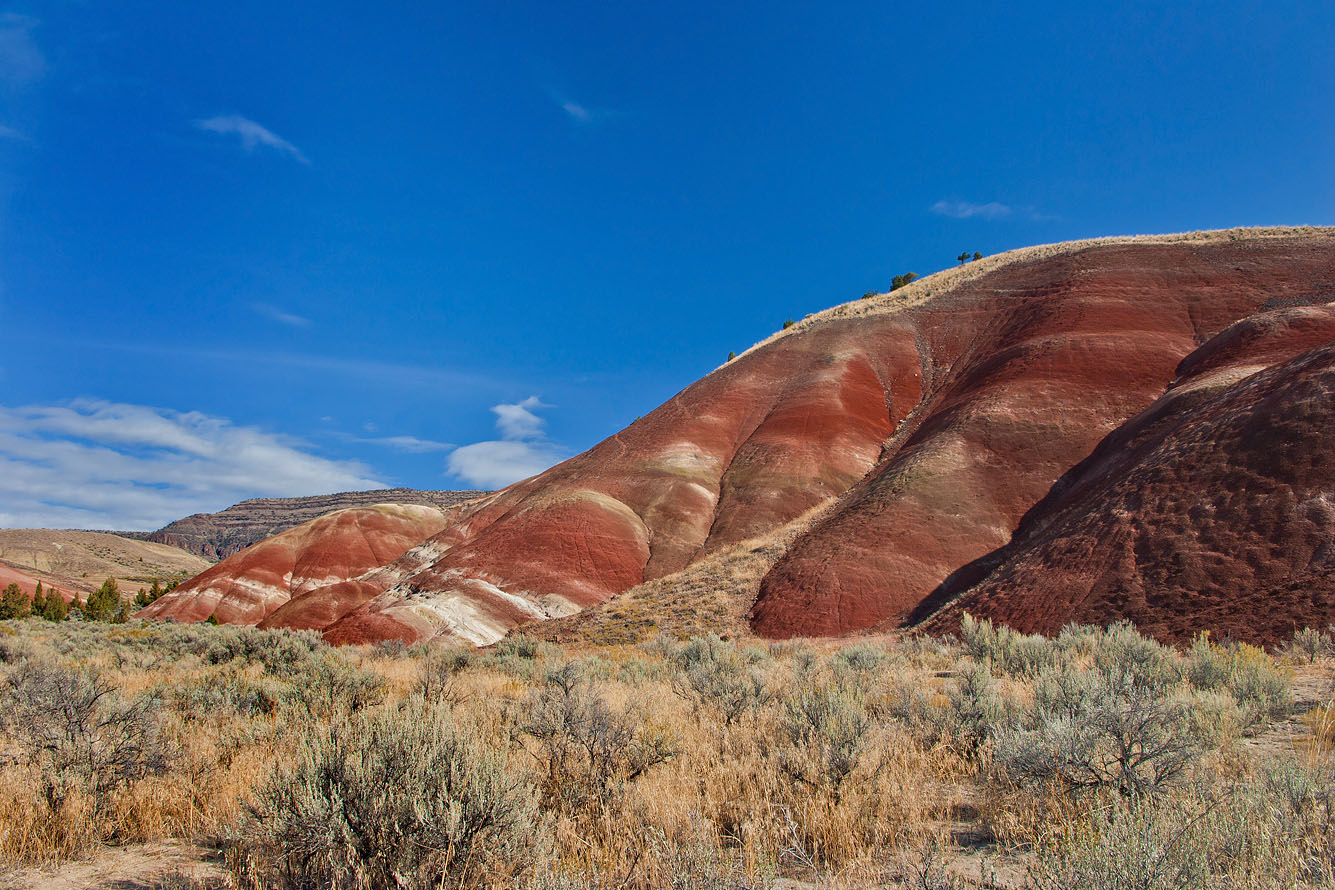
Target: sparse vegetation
1096, 759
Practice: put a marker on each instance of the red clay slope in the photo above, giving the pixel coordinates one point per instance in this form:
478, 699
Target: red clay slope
1035, 365
745, 450
1211, 510
10, 575
929, 423
249, 586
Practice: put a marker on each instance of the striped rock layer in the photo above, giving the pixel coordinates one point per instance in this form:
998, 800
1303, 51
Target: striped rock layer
1127, 428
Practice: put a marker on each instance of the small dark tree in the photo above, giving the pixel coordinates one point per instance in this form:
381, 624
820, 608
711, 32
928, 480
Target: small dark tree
963, 257
977, 255
14, 603
731, 356
900, 280
787, 324
104, 603
55, 608
38, 600
213, 619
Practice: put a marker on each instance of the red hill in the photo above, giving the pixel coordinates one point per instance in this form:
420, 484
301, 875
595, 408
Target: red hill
899, 442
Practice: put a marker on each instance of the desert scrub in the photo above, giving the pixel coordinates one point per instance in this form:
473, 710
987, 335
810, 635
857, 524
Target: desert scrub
1104, 731
714, 674
588, 751
1007, 651
76, 746
827, 728
399, 798
1308, 645
1271, 833
1250, 676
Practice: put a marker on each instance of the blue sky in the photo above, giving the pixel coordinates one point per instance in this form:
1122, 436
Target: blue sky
278, 248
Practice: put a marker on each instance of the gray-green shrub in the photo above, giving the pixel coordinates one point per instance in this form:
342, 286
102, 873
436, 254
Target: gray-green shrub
393, 799
827, 727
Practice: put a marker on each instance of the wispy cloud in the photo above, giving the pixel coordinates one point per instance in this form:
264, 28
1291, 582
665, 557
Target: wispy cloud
251, 134
12, 134
409, 444
21, 62
281, 316
579, 112
522, 451
992, 210
400, 376
970, 210
97, 464
404, 444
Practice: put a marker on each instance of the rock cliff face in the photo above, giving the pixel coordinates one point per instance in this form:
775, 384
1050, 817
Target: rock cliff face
216, 536
1081, 413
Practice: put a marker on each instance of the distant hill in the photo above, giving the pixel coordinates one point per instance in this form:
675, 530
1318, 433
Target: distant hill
81, 560
216, 536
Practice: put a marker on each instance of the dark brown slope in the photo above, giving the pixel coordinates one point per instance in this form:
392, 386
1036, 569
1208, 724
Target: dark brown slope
216, 536
1212, 510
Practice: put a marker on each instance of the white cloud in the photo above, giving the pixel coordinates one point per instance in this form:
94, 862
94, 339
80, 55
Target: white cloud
498, 464
251, 134
281, 316
21, 62
969, 210
522, 451
97, 464
11, 133
518, 421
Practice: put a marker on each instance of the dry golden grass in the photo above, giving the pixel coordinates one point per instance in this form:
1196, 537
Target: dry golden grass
936, 284
744, 798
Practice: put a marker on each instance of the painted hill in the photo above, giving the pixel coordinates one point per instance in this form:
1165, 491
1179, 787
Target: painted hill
81, 560
278, 574
866, 467
216, 536
1210, 509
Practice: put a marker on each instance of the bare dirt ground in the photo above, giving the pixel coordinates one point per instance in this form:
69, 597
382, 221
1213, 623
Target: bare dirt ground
170, 865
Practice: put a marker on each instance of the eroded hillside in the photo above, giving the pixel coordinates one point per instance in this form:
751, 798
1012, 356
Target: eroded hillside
896, 444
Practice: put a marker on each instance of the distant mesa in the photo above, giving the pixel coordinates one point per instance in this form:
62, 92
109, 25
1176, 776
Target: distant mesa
216, 536
1120, 428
